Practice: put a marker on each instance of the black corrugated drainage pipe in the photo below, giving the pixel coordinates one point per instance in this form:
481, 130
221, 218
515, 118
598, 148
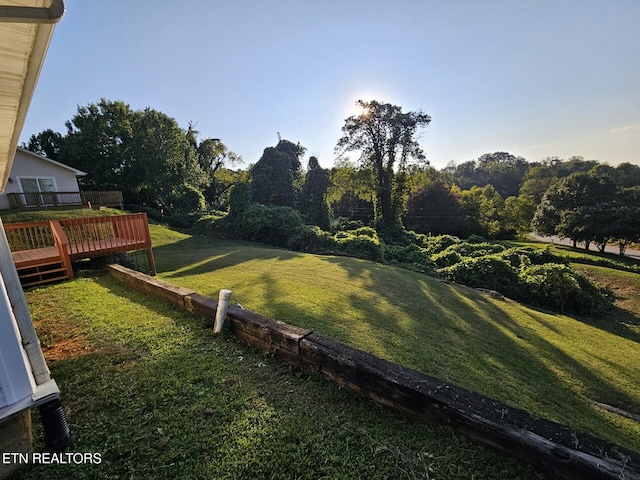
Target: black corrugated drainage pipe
57, 434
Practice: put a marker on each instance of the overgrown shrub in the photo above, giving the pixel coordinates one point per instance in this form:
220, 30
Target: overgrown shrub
446, 258
216, 224
268, 224
345, 224
534, 256
152, 213
560, 288
489, 272
473, 238
361, 246
366, 232
311, 239
466, 249
439, 243
410, 256
187, 199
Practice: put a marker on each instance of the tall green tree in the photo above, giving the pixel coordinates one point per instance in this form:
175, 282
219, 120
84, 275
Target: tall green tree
274, 176
576, 208
47, 143
215, 160
483, 209
144, 153
386, 138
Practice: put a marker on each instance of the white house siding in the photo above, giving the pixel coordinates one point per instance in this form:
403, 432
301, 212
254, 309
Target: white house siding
31, 165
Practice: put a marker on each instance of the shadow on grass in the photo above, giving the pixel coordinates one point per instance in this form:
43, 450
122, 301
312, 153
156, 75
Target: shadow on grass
200, 406
489, 352
196, 255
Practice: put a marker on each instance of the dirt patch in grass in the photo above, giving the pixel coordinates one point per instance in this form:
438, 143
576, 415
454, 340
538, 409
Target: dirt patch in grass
66, 349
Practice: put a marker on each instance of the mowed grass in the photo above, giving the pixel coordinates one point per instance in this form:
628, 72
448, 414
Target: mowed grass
44, 214
160, 397
552, 365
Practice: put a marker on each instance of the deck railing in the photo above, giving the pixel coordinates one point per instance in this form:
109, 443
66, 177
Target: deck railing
78, 238
66, 199
29, 235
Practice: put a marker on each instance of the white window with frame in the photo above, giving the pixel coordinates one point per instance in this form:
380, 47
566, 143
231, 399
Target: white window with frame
38, 190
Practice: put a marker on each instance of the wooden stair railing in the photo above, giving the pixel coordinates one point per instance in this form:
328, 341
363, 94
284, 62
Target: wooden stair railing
62, 242
44, 251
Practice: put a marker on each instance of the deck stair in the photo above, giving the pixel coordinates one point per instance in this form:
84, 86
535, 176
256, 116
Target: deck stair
43, 252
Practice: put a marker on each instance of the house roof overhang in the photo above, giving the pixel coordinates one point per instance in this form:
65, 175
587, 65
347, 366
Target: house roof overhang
26, 27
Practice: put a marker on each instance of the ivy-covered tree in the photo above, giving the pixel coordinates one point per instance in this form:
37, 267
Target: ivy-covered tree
386, 138
313, 198
274, 176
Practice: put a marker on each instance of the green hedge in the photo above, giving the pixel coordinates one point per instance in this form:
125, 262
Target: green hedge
562, 289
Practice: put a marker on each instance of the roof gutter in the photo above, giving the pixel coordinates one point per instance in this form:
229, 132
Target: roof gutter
16, 14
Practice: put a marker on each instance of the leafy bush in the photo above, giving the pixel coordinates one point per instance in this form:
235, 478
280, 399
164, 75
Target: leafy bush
437, 244
560, 288
361, 246
345, 224
446, 258
366, 232
268, 224
473, 238
187, 199
466, 249
534, 256
152, 213
184, 220
410, 255
215, 225
489, 272
312, 239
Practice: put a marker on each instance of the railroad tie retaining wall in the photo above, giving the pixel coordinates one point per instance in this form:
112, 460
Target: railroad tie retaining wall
566, 455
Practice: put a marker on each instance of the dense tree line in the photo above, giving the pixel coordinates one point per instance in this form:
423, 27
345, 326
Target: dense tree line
158, 165
143, 153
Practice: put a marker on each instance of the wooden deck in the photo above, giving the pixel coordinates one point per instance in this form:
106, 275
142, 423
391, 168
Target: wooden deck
43, 252
66, 199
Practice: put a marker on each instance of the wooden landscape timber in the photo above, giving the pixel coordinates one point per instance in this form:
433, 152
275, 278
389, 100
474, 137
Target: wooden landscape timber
554, 449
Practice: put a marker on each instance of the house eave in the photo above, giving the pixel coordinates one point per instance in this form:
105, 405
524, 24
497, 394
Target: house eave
25, 33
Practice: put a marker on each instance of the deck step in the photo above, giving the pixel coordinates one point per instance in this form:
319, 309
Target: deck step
42, 274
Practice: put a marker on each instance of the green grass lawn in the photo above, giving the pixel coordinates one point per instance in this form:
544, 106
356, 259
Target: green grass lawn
160, 397
552, 365
37, 215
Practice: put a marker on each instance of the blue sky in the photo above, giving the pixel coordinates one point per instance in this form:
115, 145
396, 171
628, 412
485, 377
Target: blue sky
535, 78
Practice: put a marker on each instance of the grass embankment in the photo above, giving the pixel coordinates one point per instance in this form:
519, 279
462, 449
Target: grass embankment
552, 365
159, 396
29, 215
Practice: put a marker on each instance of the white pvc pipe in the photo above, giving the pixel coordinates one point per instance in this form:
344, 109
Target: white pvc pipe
221, 312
